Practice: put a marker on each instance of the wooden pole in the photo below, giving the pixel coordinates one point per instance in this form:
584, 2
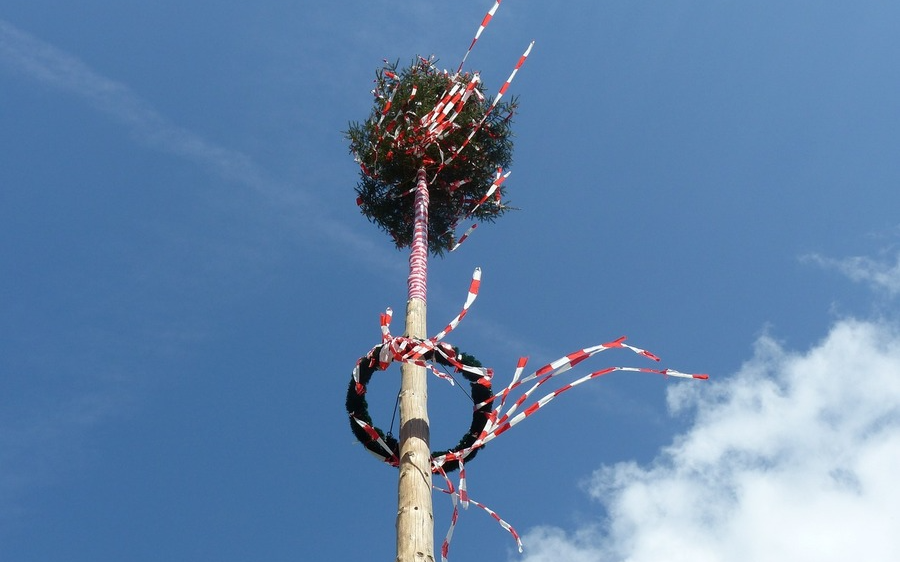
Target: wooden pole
415, 518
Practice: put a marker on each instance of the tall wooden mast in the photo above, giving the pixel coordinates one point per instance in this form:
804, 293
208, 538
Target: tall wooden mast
415, 518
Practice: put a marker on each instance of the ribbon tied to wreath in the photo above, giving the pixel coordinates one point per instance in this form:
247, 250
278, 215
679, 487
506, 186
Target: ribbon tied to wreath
491, 416
416, 351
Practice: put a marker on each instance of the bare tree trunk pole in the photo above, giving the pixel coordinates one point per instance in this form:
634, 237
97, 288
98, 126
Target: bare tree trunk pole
415, 519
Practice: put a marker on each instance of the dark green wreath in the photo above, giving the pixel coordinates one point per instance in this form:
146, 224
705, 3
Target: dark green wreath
358, 407
390, 154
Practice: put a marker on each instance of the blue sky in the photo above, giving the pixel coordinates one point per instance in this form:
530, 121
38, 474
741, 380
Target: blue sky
187, 282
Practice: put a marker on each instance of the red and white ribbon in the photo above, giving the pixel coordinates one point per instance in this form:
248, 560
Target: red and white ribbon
418, 255
500, 178
427, 131
474, 286
496, 99
484, 23
513, 74
492, 190
500, 419
463, 238
373, 434
412, 350
414, 136
460, 496
440, 119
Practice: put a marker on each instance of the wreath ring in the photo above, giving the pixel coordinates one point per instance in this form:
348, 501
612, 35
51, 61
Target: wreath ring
358, 409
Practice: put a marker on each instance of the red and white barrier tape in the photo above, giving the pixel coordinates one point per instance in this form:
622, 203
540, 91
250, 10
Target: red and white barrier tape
373, 434
501, 419
474, 287
463, 238
418, 255
484, 24
460, 496
430, 129
492, 190
500, 178
496, 99
412, 350
413, 136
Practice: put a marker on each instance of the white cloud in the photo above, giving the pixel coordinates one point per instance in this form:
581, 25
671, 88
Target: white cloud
794, 458
881, 275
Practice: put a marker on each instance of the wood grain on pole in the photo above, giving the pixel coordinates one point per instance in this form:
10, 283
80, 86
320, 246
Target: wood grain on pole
415, 518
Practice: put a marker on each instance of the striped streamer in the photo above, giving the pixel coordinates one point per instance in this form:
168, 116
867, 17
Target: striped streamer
418, 255
501, 418
484, 23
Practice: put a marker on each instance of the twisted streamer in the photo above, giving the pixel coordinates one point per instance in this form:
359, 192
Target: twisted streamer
460, 496
418, 255
500, 421
498, 417
401, 134
497, 98
500, 176
412, 350
434, 139
465, 236
474, 287
484, 24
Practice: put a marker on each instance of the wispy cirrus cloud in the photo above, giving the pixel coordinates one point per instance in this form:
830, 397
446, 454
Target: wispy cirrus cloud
41, 439
53, 67
882, 275
792, 458
40, 61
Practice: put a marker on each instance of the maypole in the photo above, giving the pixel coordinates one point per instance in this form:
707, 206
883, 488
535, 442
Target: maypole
415, 519
433, 153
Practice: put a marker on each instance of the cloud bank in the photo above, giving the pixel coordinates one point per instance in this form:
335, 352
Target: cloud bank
793, 458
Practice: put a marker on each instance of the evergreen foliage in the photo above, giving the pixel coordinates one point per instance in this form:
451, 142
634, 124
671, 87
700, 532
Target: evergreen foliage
393, 144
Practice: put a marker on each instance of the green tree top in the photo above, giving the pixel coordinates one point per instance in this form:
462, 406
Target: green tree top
427, 118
